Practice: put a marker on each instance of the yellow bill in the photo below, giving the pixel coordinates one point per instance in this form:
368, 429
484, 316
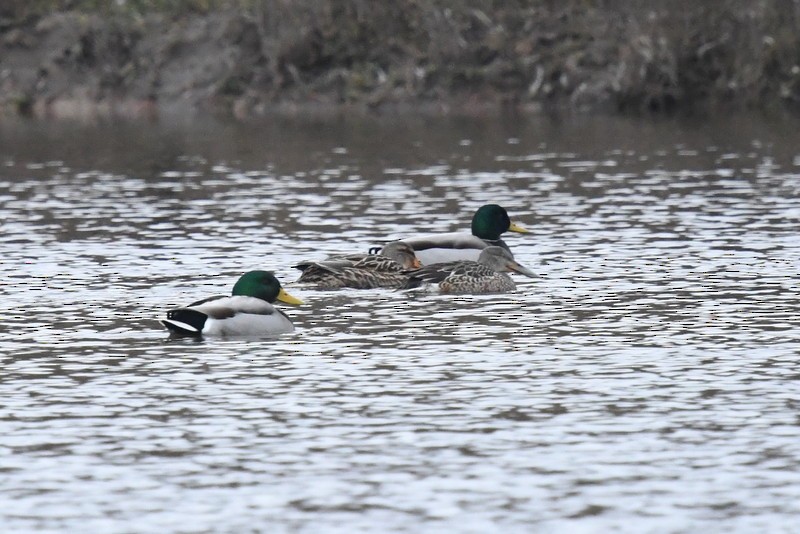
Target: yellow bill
517, 228
283, 296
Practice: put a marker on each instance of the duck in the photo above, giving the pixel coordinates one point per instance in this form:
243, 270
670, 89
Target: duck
488, 223
487, 275
248, 311
361, 271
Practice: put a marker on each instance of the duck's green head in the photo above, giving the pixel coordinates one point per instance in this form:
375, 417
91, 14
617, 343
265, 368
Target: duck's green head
263, 285
491, 220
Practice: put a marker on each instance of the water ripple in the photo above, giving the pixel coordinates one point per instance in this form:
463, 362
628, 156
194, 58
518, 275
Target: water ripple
646, 381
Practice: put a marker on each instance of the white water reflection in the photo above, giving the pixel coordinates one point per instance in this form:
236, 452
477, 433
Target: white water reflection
646, 382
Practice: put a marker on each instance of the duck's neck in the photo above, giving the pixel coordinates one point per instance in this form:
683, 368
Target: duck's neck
497, 243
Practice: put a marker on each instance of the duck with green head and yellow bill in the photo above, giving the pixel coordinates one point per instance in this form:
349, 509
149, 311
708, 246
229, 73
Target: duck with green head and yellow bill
248, 311
487, 275
488, 224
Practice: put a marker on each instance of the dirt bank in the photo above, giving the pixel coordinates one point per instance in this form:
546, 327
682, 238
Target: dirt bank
254, 57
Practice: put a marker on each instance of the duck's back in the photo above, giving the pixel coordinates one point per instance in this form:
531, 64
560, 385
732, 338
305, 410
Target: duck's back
441, 248
459, 284
462, 277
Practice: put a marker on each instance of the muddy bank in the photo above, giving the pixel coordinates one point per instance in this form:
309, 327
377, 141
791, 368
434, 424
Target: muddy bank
259, 57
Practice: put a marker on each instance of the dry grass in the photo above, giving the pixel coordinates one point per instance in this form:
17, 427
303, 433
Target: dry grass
622, 54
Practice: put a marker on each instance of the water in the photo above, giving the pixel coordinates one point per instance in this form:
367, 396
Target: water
646, 382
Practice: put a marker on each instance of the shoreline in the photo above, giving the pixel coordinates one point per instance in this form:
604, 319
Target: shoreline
340, 57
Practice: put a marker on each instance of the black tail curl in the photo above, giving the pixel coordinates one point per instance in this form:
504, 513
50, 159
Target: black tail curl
187, 316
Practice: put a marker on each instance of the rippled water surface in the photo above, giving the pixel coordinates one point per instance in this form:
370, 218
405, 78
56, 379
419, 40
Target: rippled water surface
648, 381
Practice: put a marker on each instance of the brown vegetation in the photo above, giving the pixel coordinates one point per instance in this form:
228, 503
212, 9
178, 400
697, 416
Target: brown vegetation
255, 55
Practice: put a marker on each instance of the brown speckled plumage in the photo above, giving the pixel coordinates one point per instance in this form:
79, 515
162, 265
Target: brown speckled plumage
470, 277
360, 271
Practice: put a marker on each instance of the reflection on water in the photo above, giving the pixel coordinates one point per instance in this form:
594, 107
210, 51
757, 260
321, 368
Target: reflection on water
646, 382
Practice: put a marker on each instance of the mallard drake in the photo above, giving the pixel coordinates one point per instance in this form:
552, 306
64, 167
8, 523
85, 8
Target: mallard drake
361, 271
487, 275
247, 312
488, 224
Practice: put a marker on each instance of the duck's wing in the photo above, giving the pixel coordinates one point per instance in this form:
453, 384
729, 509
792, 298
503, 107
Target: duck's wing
190, 320
480, 280
316, 271
222, 308
363, 278
469, 270
358, 271
343, 260
440, 248
448, 273
430, 274
208, 299
353, 277
379, 264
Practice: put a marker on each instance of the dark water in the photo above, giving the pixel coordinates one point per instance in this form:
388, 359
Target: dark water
647, 382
